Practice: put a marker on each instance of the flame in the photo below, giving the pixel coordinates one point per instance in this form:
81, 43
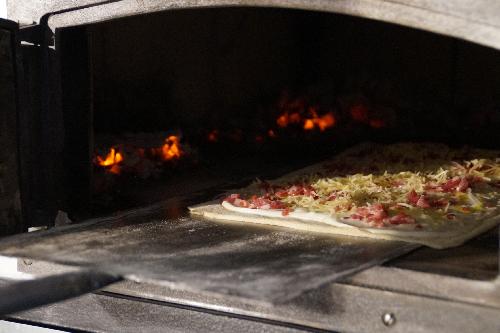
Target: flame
288, 118
113, 158
309, 117
171, 148
322, 122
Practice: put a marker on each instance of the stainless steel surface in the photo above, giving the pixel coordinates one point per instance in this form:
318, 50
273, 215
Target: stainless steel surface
101, 313
337, 307
419, 300
23, 295
242, 260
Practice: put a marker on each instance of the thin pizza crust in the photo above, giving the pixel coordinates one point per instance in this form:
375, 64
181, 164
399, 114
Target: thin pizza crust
327, 224
215, 212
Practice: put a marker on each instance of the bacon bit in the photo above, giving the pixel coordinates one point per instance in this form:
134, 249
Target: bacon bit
401, 218
463, 185
450, 216
442, 202
375, 213
423, 202
294, 190
413, 197
286, 211
281, 194
332, 196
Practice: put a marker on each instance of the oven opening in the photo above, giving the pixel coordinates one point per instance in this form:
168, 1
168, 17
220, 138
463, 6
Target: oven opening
190, 100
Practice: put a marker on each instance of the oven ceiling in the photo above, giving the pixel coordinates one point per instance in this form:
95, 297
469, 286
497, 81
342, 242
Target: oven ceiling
477, 21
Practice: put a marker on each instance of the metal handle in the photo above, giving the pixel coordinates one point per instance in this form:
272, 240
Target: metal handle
28, 294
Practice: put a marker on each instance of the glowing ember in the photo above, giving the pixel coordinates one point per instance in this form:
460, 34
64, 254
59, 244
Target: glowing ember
113, 158
359, 112
171, 148
322, 122
271, 133
213, 136
377, 123
308, 118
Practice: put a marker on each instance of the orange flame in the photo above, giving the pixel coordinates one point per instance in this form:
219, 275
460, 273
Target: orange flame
322, 122
171, 148
309, 122
111, 159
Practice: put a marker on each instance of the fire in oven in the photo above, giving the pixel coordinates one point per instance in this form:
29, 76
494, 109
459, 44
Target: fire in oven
293, 167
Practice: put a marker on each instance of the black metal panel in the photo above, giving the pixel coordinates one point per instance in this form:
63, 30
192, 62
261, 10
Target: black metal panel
10, 214
72, 47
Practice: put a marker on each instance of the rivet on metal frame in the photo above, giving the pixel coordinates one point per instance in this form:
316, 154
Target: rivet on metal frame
388, 319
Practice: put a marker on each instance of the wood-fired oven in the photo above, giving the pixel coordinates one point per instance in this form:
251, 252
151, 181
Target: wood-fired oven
116, 115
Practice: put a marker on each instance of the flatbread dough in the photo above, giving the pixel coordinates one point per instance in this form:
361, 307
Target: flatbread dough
298, 219
215, 212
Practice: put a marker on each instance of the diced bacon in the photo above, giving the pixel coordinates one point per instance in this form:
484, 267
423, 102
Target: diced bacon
264, 202
423, 202
277, 205
463, 185
331, 197
455, 184
378, 212
401, 218
441, 202
374, 213
413, 197
286, 211
450, 216
451, 184
281, 194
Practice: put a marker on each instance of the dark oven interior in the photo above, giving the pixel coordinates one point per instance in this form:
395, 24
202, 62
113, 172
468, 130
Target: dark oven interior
185, 101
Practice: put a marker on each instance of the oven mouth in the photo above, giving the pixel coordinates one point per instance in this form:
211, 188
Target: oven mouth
244, 92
